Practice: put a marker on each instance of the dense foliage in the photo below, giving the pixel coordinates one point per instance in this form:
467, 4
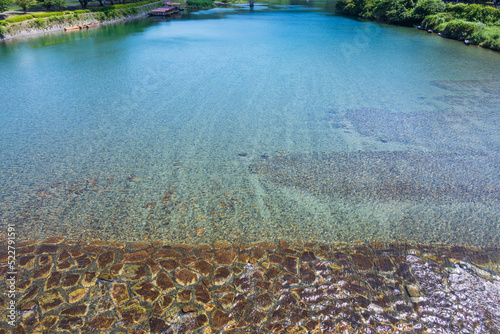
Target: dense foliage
424, 8
49, 4
4, 5
128, 5
480, 24
475, 13
403, 12
194, 4
25, 4
117, 11
488, 37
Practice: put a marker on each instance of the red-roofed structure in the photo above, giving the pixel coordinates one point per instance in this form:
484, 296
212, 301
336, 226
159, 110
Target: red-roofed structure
164, 11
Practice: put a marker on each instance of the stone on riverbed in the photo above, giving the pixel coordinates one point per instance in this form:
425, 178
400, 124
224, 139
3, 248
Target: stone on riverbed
366, 288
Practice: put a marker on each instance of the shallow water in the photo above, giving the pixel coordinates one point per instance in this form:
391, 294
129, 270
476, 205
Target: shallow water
227, 123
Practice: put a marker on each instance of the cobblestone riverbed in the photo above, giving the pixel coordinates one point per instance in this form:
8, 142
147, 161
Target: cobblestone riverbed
268, 287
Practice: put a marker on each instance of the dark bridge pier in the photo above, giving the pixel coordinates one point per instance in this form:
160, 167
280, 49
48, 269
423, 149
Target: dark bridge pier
251, 3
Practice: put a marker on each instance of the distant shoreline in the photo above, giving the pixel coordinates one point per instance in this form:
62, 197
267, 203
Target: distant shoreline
59, 28
24, 30
473, 24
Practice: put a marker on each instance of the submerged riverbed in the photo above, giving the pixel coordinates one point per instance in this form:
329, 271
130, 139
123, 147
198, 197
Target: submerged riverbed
249, 125
142, 161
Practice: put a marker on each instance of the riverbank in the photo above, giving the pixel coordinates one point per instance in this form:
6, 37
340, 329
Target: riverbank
472, 23
34, 23
54, 23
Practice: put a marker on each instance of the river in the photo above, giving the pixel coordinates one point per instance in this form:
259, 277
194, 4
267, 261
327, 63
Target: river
285, 121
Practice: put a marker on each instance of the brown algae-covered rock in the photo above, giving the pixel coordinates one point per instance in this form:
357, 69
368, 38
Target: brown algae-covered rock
75, 310
164, 282
50, 300
134, 272
162, 304
100, 322
119, 293
185, 277
226, 257
131, 314
192, 321
76, 295
135, 257
254, 289
146, 290
221, 276
202, 295
221, 319
105, 259
202, 267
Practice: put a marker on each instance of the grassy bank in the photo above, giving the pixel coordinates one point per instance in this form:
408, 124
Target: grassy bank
478, 23
46, 21
39, 19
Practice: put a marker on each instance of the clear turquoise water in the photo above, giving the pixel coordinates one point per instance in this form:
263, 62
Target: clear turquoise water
159, 130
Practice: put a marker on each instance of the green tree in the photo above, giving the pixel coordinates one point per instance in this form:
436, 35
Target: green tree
48, 4
4, 5
351, 7
427, 7
394, 11
85, 3
25, 4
